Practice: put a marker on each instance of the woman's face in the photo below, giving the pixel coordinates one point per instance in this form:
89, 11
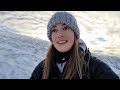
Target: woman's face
62, 37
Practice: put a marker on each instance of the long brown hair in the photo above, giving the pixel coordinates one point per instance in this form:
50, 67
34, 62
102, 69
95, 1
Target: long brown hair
73, 67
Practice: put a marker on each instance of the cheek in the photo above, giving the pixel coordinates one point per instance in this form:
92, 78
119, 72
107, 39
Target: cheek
71, 41
54, 39
71, 37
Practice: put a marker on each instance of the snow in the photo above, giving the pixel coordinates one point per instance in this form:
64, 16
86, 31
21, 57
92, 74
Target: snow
24, 42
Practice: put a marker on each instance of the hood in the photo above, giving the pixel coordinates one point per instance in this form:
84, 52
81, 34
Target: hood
82, 46
85, 50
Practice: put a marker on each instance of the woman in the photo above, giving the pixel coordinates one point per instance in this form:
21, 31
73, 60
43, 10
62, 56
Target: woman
68, 56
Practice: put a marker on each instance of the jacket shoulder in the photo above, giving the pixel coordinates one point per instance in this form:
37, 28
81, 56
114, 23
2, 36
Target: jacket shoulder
37, 73
100, 70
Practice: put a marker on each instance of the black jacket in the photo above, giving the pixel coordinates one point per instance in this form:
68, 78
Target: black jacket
96, 70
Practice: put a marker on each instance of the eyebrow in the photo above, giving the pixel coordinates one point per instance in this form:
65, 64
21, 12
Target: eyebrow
62, 25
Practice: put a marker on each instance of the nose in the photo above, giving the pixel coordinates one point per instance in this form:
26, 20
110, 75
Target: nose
60, 33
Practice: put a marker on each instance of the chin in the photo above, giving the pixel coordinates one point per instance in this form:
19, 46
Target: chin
62, 51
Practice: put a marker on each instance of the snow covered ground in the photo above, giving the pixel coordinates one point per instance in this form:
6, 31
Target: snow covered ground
24, 42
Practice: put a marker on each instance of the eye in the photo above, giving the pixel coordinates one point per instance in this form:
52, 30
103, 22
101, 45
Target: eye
54, 30
66, 28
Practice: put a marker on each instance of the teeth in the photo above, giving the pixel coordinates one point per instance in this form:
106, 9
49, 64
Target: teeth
60, 42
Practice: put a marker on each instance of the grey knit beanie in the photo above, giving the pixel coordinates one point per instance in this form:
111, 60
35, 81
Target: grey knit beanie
63, 17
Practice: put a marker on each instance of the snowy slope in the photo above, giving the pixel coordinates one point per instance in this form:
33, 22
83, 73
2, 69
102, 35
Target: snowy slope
19, 55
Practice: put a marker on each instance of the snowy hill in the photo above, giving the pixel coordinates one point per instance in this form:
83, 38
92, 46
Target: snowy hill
19, 55
23, 39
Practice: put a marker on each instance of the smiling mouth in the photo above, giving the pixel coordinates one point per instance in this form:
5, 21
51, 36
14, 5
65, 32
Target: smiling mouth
62, 42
